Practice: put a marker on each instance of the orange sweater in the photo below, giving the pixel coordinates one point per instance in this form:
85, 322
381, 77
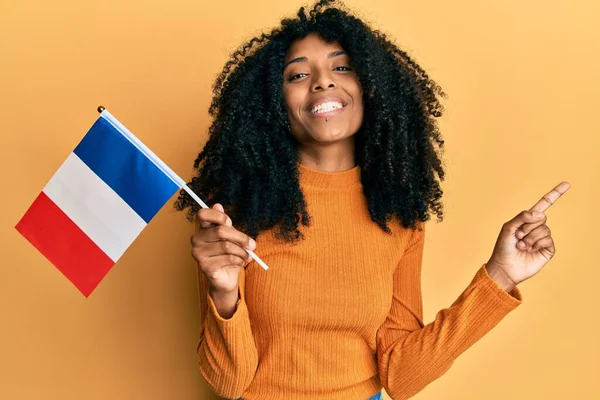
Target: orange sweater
339, 316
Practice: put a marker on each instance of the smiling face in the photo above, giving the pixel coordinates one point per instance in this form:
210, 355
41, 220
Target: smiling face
318, 84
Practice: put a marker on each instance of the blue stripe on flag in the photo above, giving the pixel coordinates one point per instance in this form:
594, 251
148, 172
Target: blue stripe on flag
124, 168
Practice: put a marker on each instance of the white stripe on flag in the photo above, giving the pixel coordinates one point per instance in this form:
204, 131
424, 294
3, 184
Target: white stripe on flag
93, 206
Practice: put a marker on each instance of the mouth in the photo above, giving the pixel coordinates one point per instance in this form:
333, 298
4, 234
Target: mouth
327, 110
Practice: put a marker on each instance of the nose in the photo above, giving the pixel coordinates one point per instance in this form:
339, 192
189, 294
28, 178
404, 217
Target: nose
322, 80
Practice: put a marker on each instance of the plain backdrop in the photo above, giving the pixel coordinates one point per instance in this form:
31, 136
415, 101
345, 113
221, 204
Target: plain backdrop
522, 78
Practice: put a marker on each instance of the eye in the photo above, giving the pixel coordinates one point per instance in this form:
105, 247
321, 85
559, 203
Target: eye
295, 76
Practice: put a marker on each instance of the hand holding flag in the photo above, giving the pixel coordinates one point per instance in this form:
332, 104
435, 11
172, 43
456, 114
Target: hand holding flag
220, 249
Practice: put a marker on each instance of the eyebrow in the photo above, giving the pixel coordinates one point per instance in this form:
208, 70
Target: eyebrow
303, 59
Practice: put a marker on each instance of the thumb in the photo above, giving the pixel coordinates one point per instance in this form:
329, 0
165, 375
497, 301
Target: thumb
524, 217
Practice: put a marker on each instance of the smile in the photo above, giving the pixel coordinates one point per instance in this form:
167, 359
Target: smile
327, 110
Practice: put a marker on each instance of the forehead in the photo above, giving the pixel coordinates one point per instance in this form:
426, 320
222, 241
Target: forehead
311, 45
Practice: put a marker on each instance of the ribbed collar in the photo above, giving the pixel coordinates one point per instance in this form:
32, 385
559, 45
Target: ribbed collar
329, 180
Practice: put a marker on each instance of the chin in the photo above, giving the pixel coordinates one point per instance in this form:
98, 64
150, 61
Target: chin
322, 133
331, 136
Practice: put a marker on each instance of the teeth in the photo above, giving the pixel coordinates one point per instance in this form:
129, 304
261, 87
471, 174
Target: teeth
326, 107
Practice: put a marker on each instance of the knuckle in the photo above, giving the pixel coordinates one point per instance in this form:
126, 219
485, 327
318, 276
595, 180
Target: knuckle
199, 258
231, 259
226, 246
195, 241
196, 237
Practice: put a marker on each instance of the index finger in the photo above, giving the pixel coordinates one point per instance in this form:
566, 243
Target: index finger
551, 197
209, 217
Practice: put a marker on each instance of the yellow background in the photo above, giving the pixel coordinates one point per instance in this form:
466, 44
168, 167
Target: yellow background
523, 80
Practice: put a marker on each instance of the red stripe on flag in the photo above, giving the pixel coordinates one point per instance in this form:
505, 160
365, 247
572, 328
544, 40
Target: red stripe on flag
62, 242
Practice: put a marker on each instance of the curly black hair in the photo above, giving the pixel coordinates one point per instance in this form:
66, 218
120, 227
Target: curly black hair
249, 163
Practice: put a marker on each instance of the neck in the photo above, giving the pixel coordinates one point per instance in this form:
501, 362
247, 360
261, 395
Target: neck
333, 157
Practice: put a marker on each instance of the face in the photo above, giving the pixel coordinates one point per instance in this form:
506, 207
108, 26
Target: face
318, 84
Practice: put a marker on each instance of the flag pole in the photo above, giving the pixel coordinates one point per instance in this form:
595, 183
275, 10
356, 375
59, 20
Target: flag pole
163, 167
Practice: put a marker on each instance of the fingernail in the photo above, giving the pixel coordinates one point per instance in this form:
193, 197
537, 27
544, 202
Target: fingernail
538, 214
229, 223
252, 244
519, 234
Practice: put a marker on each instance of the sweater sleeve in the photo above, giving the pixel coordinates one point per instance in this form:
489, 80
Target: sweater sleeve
411, 354
227, 354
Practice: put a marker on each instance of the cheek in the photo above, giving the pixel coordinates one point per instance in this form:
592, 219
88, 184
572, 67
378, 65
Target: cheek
358, 104
357, 95
358, 101
292, 101
358, 114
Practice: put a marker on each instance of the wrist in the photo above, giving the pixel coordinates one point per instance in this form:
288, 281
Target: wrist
225, 301
223, 292
500, 277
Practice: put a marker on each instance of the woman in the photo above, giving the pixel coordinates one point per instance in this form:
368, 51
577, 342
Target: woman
324, 121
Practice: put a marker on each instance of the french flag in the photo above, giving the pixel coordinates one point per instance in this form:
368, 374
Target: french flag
97, 203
